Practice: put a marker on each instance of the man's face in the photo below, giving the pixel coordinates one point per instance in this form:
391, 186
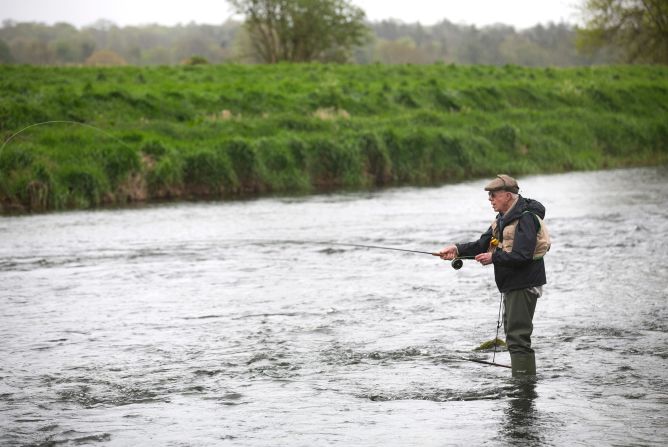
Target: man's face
500, 200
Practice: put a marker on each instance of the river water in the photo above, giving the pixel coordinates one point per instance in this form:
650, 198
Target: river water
212, 324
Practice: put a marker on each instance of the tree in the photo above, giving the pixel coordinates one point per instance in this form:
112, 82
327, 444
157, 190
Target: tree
639, 27
302, 30
31, 51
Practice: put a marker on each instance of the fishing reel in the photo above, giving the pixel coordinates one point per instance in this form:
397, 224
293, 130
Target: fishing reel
457, 263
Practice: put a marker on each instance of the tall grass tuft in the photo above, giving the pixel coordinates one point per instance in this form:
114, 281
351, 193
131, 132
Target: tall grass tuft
244, 163
377, 162
208, 173
81, 186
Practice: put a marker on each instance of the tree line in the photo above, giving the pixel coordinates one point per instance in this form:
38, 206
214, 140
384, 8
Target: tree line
337, 31
393, 42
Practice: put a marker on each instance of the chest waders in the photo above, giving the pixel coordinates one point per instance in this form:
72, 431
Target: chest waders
519, 305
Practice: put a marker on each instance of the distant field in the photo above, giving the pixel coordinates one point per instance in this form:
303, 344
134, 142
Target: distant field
234, 130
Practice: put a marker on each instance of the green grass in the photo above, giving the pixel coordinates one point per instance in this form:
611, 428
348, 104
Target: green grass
237, 130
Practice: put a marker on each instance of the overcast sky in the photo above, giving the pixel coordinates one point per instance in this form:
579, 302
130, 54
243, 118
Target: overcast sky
519, 13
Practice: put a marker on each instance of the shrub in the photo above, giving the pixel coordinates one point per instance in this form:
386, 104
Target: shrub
412, 154
166, 176
299, 151
378, 165
280, 172
41, 188
82, 186
392, 141
415, 156
208, 172
451, 152
333, 164
119, 161
244, 162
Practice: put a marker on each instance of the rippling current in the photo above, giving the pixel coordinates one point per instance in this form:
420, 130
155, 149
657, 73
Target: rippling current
226, 324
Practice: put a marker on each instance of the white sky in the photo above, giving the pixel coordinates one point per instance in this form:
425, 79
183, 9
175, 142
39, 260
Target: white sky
518, 13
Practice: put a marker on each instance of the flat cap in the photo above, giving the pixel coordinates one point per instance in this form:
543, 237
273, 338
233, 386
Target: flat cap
503, 182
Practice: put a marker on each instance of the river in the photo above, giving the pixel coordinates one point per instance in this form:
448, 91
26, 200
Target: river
226, 324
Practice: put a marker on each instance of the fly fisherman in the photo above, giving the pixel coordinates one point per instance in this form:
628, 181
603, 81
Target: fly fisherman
515, 243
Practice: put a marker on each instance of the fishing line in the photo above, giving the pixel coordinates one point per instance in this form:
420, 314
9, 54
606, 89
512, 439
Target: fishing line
376, 247
90, 126
456, 264
498, 325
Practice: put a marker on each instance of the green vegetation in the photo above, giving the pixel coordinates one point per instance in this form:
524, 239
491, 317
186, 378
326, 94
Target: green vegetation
302, 30
491, 344
392, 42
639, 28
223, 131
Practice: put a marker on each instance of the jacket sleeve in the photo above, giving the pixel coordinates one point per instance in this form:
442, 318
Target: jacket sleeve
475, 247
524, 244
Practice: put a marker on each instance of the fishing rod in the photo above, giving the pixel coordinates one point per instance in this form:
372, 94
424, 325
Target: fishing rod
484, 362
468, 359
456, 263
381, 248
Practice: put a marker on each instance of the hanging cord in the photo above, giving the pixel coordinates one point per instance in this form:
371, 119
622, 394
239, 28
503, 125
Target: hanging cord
498, 325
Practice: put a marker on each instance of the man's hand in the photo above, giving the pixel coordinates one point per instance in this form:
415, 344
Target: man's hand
448, 253
484, 258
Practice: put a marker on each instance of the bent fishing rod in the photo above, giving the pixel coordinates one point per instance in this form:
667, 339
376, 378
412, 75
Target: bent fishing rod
456, 263
468, 359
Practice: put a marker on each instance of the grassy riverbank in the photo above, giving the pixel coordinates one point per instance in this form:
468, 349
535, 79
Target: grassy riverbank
231, 130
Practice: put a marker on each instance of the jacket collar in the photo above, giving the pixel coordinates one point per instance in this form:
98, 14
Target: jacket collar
515, 210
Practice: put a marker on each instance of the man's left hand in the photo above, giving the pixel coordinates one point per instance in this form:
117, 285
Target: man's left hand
484, 258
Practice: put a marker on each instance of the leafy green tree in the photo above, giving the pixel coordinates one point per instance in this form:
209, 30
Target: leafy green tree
302, 30
28, 50
639, 27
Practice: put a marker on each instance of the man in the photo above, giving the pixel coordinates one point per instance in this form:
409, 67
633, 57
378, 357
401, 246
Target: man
515, 243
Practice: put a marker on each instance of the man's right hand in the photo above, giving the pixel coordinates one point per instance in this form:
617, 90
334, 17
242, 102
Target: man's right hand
448, 253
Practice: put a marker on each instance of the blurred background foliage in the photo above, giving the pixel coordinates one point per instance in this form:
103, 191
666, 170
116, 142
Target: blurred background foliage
388, 42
